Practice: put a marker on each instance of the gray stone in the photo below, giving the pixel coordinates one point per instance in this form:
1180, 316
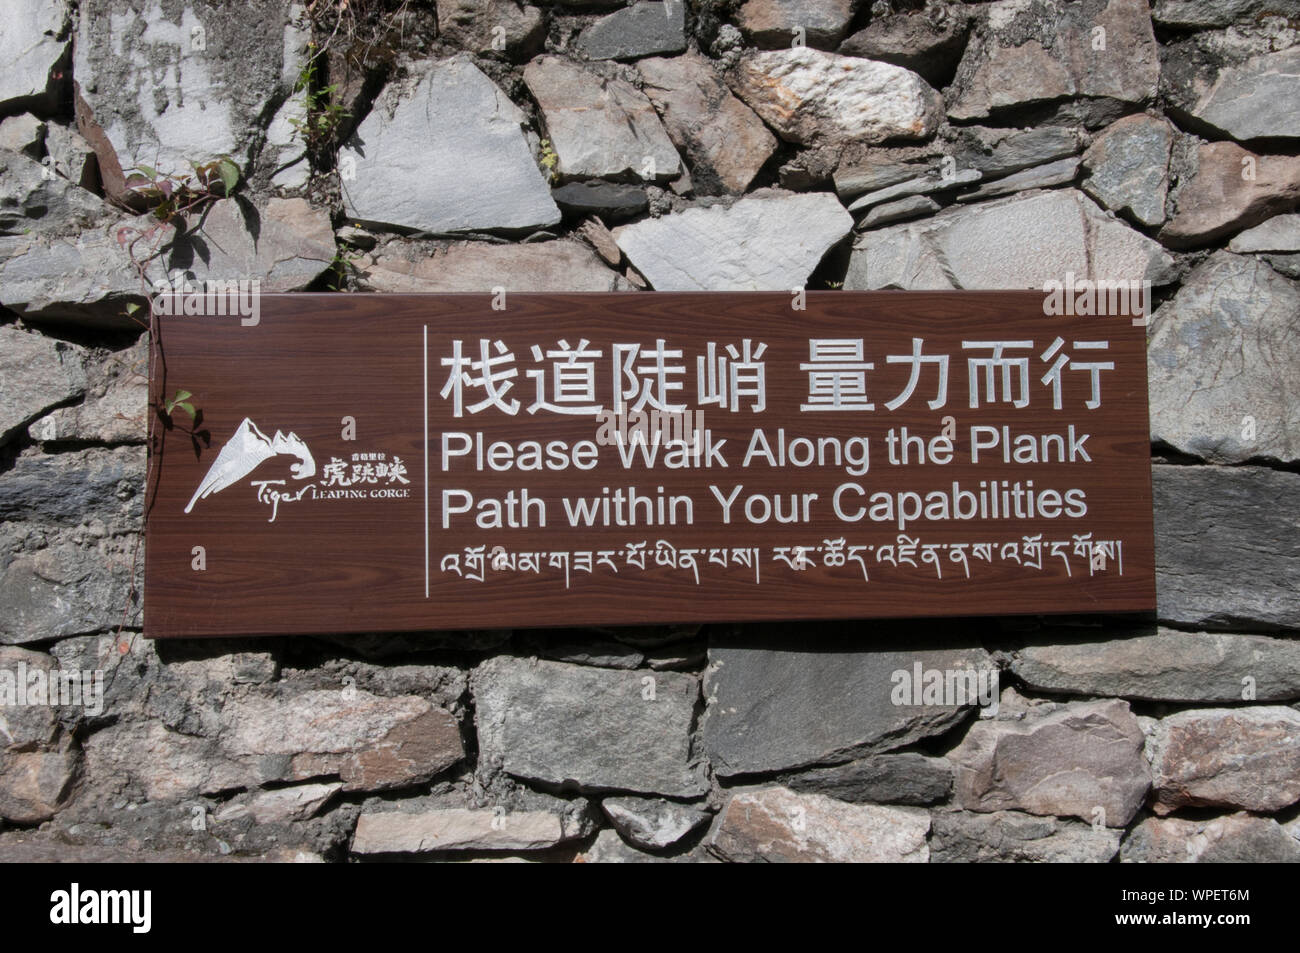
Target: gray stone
810, 97
399, 832
285, 152
899, 210
600, 127
285, 245
997, 152
473, 25
872, 172
724, 140
1207, 13
905, 778
645, 28
596, 729
1227, 546
72, 582
1236, 758
776, 825
23, 133
773, 709
146, 760
1288, 265
1038, 237
296, 803
115, 406
33, 42
609, 200
71, 156
475, 170
1220, 199
928, 43
33, 198
681, 657
51, 847
1083, 759
36, 373
1281, 233
1029, 51
933, 181
1260, 98
34, 725
585, 651
1128, 167
776, 23
768, 241
85, 277
1224, 349
650, 823
1037, 177
372, 743
561, 265
74, 488
959, 837
1166, 665
609, 848
34, 785
1233, 839
191, 82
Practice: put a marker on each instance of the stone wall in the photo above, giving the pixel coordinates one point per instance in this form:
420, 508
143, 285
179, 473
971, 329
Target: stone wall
724, 145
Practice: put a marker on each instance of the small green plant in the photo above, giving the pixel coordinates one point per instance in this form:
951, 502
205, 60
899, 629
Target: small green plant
343, 262
180, 399
550, 159
167, 196
322, 114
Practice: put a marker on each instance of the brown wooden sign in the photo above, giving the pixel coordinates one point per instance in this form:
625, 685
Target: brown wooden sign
406, 462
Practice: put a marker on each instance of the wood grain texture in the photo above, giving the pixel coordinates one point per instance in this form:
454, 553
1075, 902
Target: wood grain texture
358, 565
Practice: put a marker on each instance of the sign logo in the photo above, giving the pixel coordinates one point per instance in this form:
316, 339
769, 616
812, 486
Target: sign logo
249, 448
245, 452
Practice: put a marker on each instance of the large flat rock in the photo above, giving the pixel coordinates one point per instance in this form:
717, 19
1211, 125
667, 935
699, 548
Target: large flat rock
1164, 665
774, 708
189, 81
561, 265
1082, 759
444, 151
1017, 242
1227, 546
767, 241
593, 728
1222, 356
810, 97
600, 127
1029, 51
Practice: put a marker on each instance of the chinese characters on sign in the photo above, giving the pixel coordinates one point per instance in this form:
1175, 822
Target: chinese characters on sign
635, 458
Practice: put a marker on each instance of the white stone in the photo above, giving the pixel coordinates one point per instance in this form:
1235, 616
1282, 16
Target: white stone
765, 242
444, 152
29, 46
807, 95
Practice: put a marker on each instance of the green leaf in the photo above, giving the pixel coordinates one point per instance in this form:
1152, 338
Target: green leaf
186, 406
182, 395
132, 307
229, 174
149, 171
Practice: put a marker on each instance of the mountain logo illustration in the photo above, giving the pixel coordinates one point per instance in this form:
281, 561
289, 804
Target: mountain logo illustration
245, 451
